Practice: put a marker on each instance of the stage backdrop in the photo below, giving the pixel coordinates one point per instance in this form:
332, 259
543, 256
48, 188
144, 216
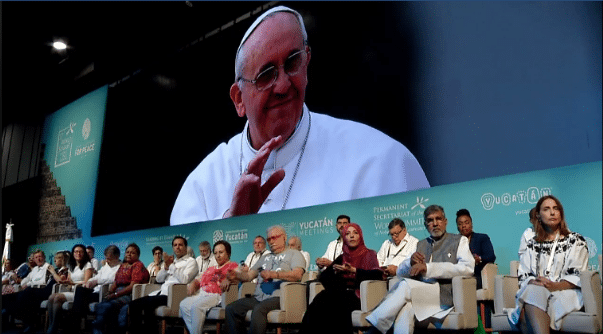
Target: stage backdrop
72, 137
499, 207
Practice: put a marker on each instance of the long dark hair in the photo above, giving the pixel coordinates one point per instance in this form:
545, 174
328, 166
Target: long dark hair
539, 229
85, 258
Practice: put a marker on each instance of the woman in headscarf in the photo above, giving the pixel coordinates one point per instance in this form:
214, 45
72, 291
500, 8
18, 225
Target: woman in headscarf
342, 280
549, 271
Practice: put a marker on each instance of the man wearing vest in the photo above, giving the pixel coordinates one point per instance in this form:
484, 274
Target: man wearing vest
428, 272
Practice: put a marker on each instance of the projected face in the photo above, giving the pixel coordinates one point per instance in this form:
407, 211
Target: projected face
276, 110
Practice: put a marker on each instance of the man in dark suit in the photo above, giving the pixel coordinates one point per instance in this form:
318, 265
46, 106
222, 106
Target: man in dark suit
479, 244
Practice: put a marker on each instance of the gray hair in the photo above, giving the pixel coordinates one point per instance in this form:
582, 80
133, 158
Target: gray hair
112, 249
433, 208
277, 227
299, 242
241, 55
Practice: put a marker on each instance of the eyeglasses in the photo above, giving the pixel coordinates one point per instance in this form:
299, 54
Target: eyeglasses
395, 234
268, 77
274, 237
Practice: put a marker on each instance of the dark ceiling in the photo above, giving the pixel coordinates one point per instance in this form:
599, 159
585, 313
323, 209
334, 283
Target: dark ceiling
107, 41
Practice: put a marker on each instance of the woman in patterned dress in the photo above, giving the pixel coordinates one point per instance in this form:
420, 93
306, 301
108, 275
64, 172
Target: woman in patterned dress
549, 271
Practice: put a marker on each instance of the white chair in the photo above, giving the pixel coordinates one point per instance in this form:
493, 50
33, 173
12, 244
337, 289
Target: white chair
464, 313
486, 293
217, 314
292, 306
371, 294
584, 321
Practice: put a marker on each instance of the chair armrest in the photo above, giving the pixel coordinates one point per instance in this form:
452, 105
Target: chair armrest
513, 268
505, 289
176, 293
293, 301
464, 299
488, 276
312, 275
148, 288
371, 294
391, 282
229, 295
315, 288
591, 294
104, 289
463, 294
247, 288
141, 290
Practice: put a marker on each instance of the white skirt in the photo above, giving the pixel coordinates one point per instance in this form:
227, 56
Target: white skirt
556, 304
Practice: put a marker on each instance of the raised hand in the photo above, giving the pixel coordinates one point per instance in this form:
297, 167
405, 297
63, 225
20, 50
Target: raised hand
249, 193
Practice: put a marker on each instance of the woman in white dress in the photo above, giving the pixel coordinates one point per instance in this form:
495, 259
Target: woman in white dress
549, 271
80, 271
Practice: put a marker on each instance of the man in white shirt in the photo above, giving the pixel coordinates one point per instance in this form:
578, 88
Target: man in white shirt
271, 165
96, 265
35, 288
177, 269
296, 243
398, 248
206, 258
438, 258
259, 249
334, 249
106, 274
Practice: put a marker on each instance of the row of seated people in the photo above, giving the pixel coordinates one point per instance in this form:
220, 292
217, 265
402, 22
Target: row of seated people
438, 258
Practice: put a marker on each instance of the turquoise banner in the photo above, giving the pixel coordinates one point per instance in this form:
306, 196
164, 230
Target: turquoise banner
73, 136
499, 207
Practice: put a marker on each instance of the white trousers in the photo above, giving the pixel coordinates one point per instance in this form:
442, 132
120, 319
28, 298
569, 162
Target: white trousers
194, 309
395, 309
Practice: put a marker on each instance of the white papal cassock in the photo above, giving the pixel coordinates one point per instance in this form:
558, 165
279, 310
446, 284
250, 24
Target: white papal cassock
342, 160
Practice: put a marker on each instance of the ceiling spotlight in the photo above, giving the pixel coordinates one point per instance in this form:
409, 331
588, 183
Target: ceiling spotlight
59, 45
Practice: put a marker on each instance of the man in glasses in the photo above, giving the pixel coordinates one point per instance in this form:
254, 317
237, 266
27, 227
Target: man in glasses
283, 264
438, 259
288, 157
398, 248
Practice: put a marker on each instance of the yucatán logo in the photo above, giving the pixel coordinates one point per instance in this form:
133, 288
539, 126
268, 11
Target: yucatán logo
218, 235
531, 195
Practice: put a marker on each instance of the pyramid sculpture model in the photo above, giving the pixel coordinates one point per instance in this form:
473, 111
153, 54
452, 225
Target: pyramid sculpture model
55, 220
